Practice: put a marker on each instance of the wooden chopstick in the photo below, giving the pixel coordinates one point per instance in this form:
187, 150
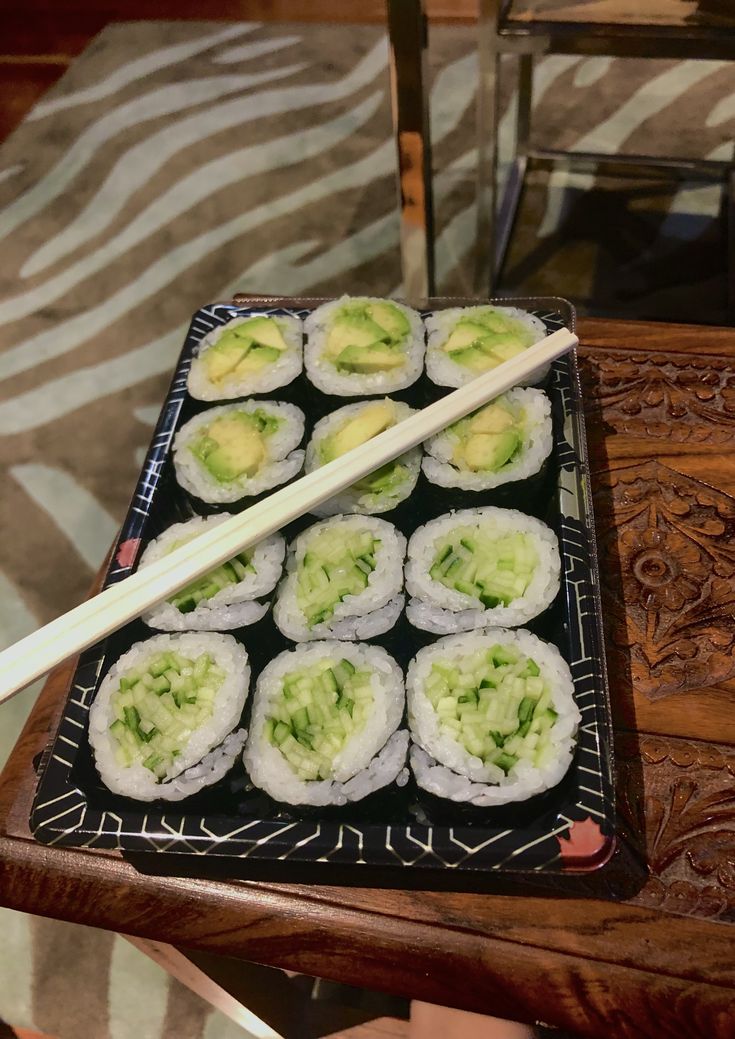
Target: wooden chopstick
66, 636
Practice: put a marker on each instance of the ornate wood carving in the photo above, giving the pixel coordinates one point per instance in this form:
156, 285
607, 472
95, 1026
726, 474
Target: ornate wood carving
667, 546
676, 800
683, 397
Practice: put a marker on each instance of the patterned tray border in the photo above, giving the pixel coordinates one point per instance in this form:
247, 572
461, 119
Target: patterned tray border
583, 835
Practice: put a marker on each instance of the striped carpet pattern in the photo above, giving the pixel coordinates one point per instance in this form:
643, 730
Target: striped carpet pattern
176, 163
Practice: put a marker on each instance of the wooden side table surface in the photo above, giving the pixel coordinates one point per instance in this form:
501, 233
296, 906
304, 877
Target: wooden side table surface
643, 947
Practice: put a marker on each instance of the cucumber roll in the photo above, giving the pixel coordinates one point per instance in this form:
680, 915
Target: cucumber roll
239, 450
349, 427
162, 725
357, 346
324, 721
492, 716
227, 597
464, 342
344, 580
247, 355
508, 439
475, 567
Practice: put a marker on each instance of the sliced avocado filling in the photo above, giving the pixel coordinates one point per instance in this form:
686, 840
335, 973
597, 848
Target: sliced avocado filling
496, 704
159, 704
485, 339
234, 444
319, 709
244, 350
494, 569
384, 481
490, 439
335, 565
369, 421
367, 337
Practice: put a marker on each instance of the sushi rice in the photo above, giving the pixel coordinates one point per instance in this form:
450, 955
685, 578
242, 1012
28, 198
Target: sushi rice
236, 603
440, 606
381, 491
326, 376
359, 604
366, 756
444, 371
279, 464
208, 752
440, 759
445, 466
279, 372
371, 751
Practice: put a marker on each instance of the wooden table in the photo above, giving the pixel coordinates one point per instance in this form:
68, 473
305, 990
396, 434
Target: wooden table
643, 947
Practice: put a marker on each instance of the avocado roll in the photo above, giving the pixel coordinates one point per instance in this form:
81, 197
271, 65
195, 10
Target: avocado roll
475, 567
349, 427
245, 356
506, 440
227, 597
239, 450
323, 726
358, 346
464, 342
162, 725
344, 579
492, 716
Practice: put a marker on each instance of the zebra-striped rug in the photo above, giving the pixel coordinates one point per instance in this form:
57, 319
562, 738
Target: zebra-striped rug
175, 163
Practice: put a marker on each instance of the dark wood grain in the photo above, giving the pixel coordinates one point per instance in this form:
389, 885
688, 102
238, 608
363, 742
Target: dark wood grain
22, 83
41, 38
643, 948
45, 27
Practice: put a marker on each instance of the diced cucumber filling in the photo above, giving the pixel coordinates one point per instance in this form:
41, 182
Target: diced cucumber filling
367, 336
494, 569
229, 573
485, 338
159, 704
336, 564
206, 587
319, 709
233, 445
490, 439
496, 704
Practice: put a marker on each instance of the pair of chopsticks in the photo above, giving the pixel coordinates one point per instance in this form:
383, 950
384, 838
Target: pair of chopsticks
66, 636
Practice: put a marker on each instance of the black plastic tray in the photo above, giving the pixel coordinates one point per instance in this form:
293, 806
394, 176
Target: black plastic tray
569, 828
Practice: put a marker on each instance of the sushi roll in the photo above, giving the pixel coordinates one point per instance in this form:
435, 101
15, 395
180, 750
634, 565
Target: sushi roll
357, 346
464, 342
323, 726
492, 717
508, 439
227, 597
245, 356
349, 427
239, 450
163, 723
344, 580
475, 567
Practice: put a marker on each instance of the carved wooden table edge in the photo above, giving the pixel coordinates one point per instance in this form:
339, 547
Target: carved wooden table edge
594, 948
